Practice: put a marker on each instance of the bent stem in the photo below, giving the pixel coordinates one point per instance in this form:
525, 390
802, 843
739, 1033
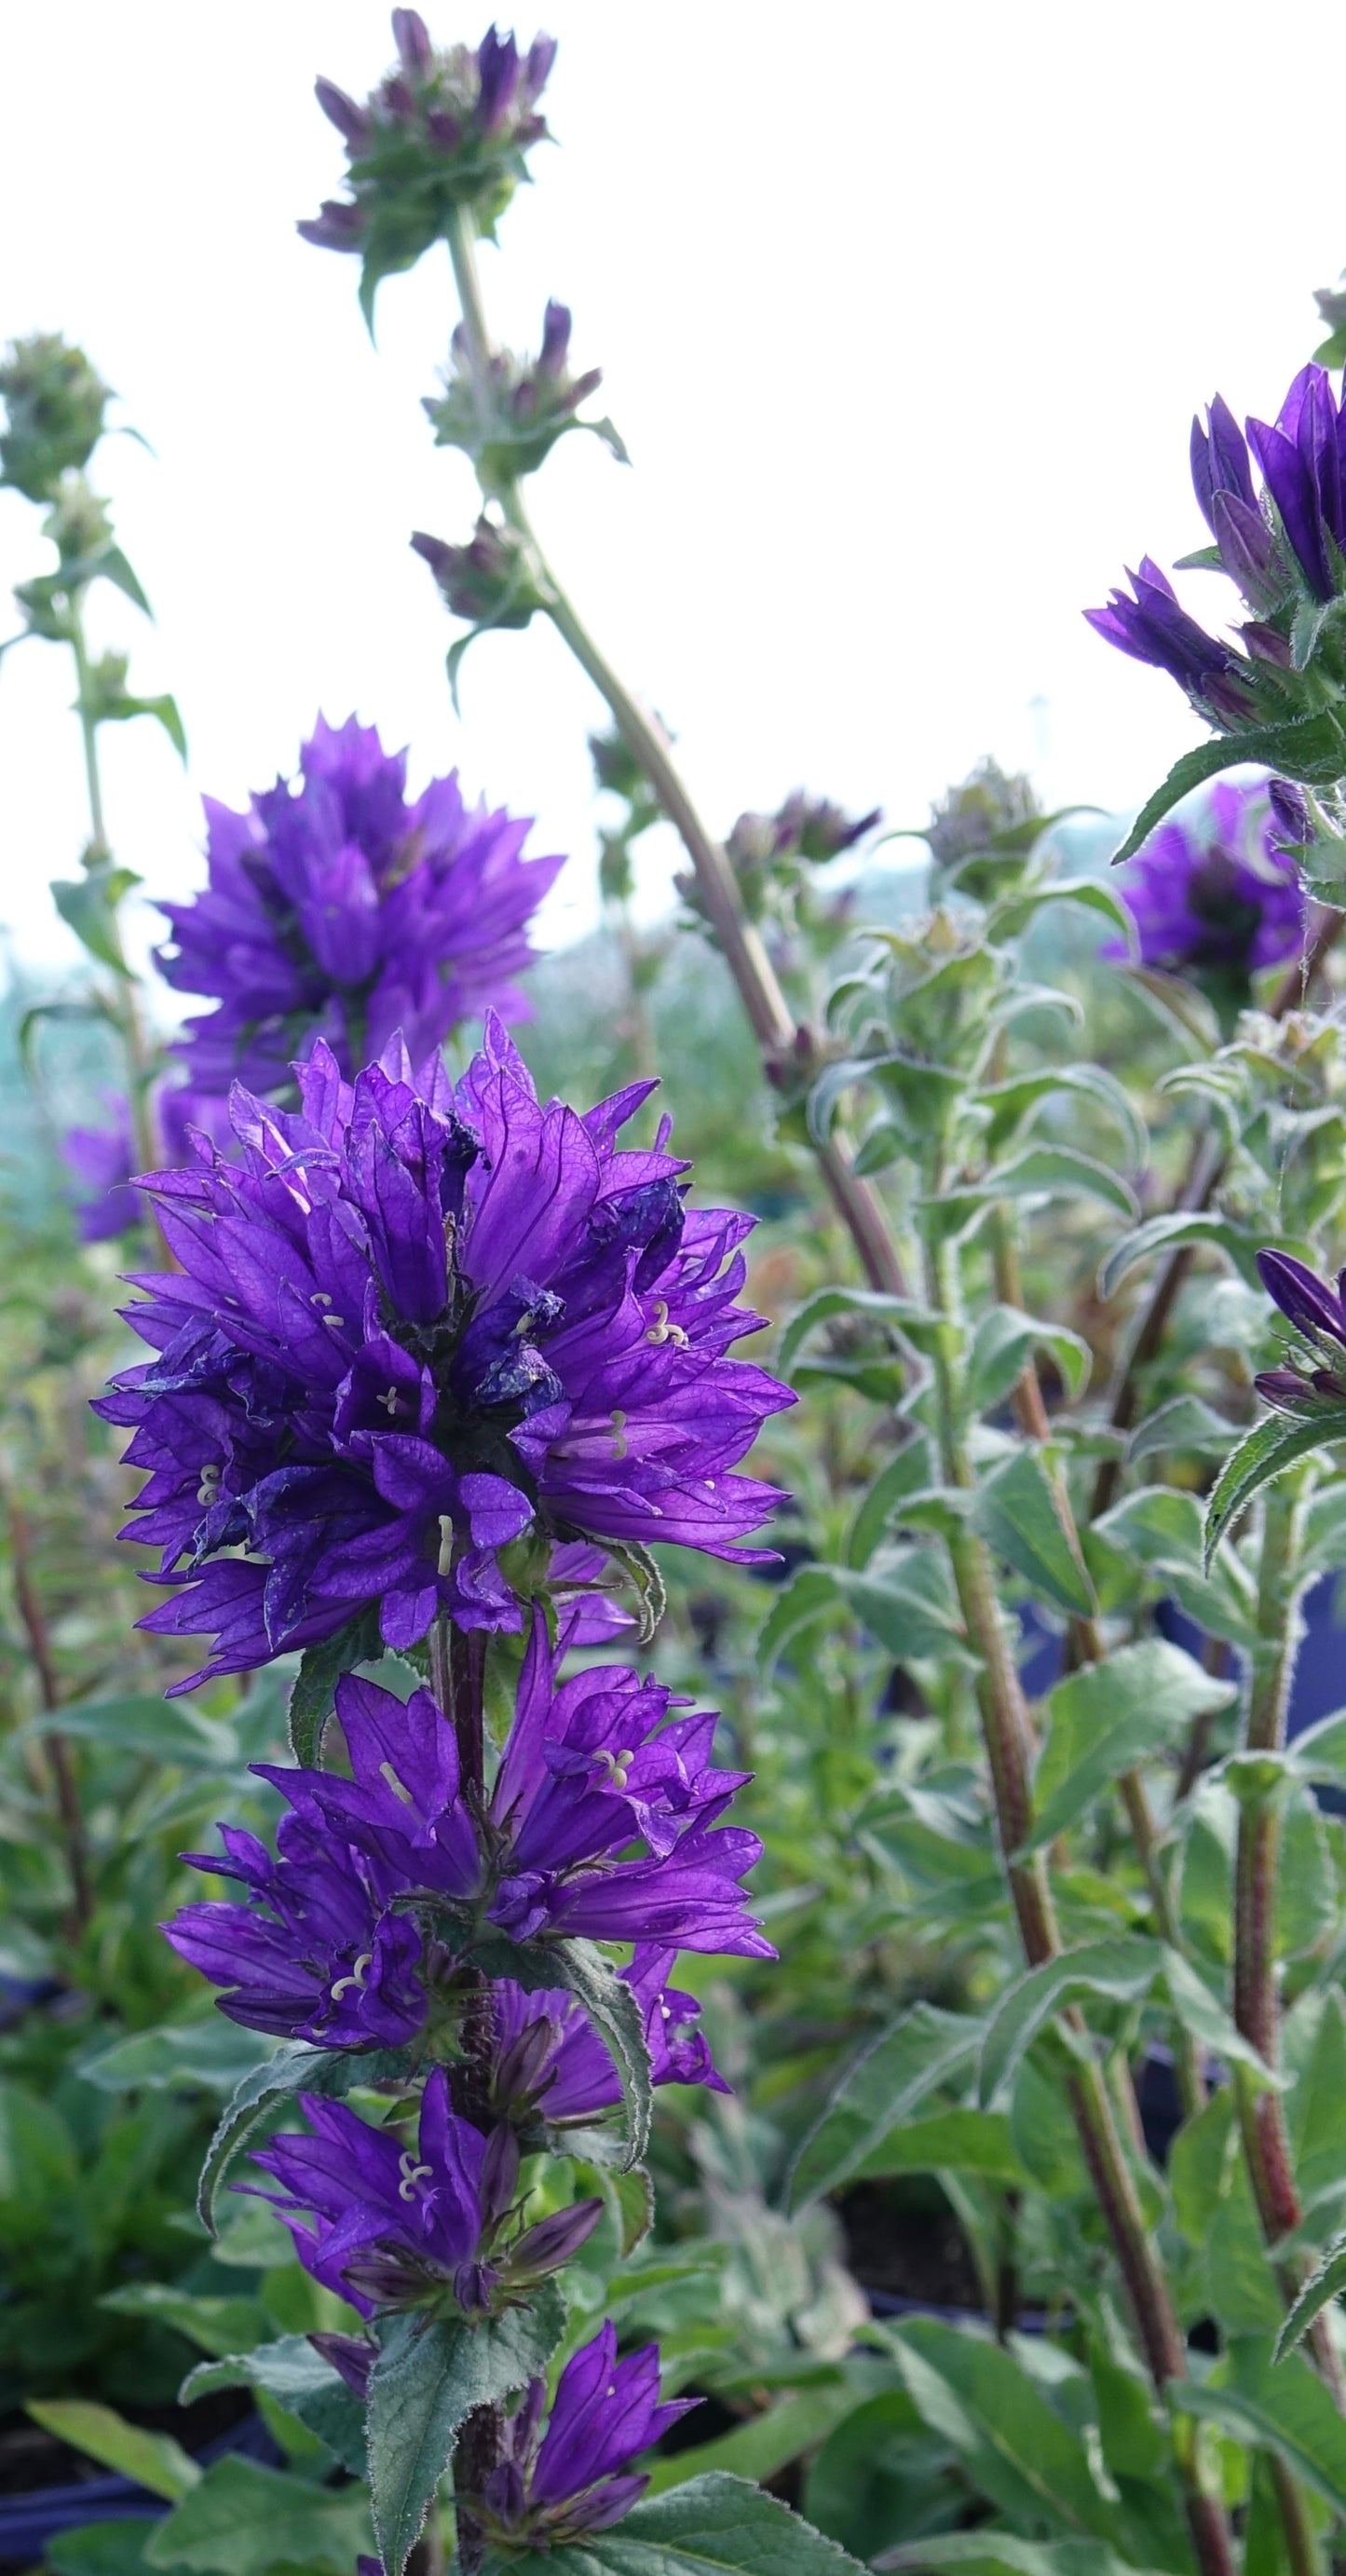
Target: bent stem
63, 1770
787, 1050
1257, 1878
1005, 1725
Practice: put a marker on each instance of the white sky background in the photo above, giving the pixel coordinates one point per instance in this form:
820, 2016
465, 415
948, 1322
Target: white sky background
903, 314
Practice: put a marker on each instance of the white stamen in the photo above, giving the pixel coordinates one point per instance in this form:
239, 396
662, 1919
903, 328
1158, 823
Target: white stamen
411, 2173
619, 1449
356, 1978
389, 1400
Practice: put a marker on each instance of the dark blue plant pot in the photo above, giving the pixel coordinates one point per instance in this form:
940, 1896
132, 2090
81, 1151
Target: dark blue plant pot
28, 2522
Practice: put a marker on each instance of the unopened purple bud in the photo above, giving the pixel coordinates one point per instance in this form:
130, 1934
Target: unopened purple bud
474, 2286
353, 2357
1290, 814
1307, 1300
445, 130
499, 2173
1246, 546
537, 69
497, 73
555, 2240
336, 226
351, 122
412, 39
555, 339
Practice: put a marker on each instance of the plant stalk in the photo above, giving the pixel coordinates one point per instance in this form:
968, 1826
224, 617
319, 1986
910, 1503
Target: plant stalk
1256, 1885
787, 1051
49, 1690
1006, 1731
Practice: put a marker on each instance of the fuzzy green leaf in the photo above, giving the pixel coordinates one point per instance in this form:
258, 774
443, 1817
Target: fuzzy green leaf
1309, 747
301, 2382
1273, 1445
1017, 1515
715, 2525
922, 2051
243, 2519
320, 1669
1110, 1716
428, 2377
1195, 1228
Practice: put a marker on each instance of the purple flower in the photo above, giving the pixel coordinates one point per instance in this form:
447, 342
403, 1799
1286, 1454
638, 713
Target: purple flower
589, 1772
548, 2063
1152, 627
1319, 1313
508, 416
102, 1160
1301, 457
430, 2226
410, 1314
575, 2477
336, 909
327, 1946
1216, 893
444, 129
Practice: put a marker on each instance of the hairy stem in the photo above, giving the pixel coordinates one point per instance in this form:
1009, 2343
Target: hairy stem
1005, 1728
127, 1013
475, 2454
1256, 1885
63, 1770
787, 1051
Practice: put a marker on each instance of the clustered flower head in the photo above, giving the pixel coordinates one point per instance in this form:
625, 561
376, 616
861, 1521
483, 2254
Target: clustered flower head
1313, 1380
1282, 546
603, 1822
412, 1322
435, 2226
1217, 893
336, 909
101, 1161
554, 2485
446, 128
55, 404
508, 412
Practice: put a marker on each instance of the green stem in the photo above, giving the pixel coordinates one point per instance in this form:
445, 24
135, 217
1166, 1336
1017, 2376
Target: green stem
1005, 1726
787, 1051
136, 1045
1256, 1886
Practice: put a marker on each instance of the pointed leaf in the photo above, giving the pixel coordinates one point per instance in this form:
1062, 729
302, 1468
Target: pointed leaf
715, 2525
1018, 2451
294, 2068
909, 1472
918, 1324
1275, 1444
1185, 1422
924, 2050
1058, 1171
154, 2460
1318, 2292
1289, 2411
243, 2519
1017, 1514
998, 2553
1011, 1101
299, 2380
429, 2376
1188, 1226
1122, 1971
313, 1696
1110, 1716
1308, 747
1004, 1343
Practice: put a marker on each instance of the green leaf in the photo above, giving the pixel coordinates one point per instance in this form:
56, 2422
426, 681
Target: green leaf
909, 1472
1011, 1101
154, 2460
1185, 1422
925, 2049
209, 2054
906, 1602
113, 567
301, 2382
713, 2526
616, 2015
917, 1324
1122, 1971
1318, 2292
766, 2443
101, 2548
810, 1595
1059, 1171
1015, 911
163, 709
976, 2142
998, 2553
295, 2068
320, 1669
1309, 747
1275, 1444
430, 2375
162, 1730
1195, 1227
1320, 1752
1019, 2453
647, 1582
1004, 1343
243, 2518
215, 2325
85, 905
1288, 2410
1017, 1514
1106, 1718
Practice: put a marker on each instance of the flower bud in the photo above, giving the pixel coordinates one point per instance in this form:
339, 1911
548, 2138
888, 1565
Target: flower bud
55, 402
508, 413
445, 129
